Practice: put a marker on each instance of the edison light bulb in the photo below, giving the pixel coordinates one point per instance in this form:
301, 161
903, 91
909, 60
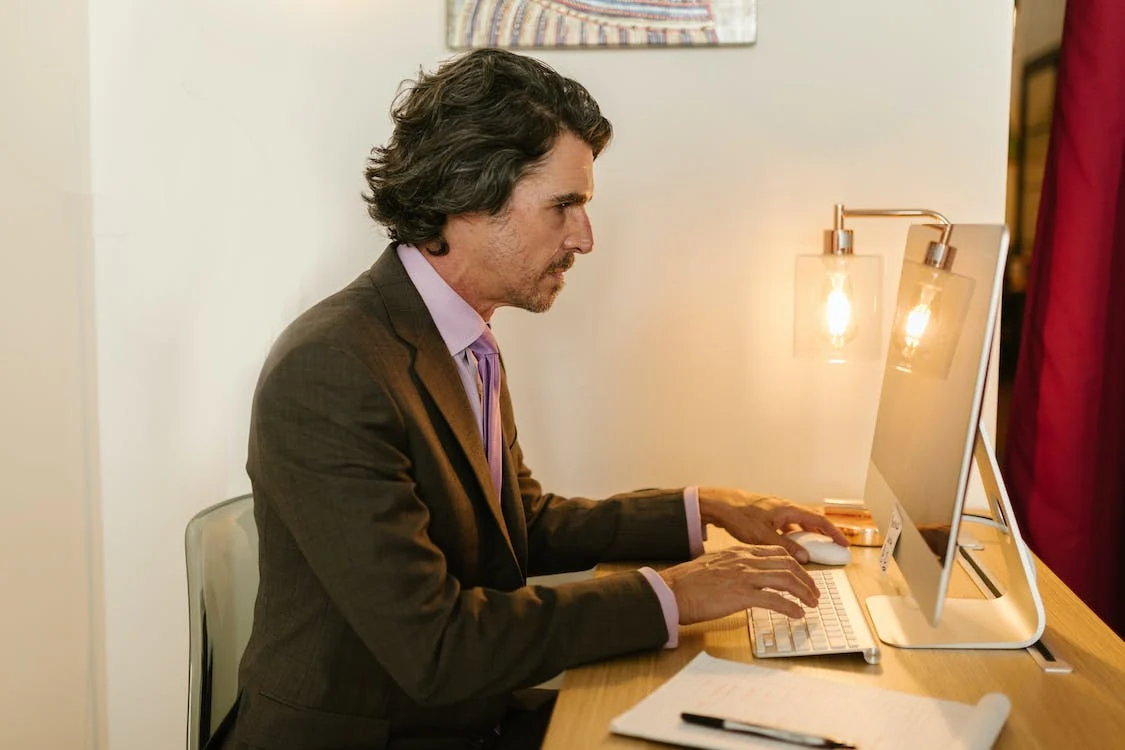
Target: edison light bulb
837, 309
919, 323
918, 319
930, 313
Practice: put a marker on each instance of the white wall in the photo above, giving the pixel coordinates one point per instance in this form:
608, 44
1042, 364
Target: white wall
49, 567
228, 147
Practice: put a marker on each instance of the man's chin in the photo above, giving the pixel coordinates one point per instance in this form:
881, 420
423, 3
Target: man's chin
541, 299
540, 303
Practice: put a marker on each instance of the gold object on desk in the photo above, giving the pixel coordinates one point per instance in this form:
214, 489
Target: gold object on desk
855, 521
1083, 709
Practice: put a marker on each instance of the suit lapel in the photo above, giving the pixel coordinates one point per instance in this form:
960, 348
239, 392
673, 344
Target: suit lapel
435, 370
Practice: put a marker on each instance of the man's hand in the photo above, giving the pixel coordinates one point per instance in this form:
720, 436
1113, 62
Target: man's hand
761, 519
734, 579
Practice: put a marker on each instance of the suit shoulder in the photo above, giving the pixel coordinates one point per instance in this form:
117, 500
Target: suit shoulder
353, 320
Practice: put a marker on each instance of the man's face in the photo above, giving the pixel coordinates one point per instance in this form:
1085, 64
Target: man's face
521, 254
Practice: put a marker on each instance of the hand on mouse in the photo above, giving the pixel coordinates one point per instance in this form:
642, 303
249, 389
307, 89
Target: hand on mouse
763, 519
721, 583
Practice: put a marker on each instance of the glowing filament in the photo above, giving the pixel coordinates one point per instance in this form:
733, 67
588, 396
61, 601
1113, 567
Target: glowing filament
916, 322
838, 311
920, 319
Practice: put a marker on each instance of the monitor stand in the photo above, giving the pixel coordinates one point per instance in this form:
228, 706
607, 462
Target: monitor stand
1014, 620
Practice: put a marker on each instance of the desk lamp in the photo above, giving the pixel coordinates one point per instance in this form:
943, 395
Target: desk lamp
837, 316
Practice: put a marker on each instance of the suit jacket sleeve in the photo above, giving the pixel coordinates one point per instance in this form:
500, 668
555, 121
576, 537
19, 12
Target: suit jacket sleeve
330, 450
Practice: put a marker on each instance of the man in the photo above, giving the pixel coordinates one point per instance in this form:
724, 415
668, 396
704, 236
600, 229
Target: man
397, 520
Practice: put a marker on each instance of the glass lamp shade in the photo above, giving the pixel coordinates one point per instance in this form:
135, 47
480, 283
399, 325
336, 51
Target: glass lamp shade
930, 312
836, 314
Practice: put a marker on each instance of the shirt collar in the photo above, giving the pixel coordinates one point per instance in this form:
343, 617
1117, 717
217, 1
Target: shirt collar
457, 322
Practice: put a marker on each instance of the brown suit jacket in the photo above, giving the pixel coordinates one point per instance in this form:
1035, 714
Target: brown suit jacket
392, 600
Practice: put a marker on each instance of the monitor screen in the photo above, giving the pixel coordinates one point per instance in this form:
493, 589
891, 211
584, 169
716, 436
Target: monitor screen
930, 402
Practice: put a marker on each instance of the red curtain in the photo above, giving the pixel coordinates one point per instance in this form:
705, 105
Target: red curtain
1065, 452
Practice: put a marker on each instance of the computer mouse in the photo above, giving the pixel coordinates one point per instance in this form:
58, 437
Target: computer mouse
822, 550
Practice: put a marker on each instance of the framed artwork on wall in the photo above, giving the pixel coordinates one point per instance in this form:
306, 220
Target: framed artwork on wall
541, 24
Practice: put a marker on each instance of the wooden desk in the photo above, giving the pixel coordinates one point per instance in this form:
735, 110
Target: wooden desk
1080, 711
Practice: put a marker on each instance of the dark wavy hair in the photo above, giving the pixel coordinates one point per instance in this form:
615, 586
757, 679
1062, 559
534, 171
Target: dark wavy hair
465, 134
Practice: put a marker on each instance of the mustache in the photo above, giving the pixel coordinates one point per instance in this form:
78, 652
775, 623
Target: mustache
563, 264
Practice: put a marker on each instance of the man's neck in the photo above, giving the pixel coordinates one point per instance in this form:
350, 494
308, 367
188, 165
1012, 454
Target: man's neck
457, 271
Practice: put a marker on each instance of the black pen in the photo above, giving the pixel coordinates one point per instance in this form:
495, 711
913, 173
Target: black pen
773, 733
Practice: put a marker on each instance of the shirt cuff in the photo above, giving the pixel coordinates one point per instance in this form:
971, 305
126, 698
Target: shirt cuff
667, 605
695, 530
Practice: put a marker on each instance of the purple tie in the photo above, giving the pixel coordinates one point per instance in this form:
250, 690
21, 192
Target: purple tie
488, 364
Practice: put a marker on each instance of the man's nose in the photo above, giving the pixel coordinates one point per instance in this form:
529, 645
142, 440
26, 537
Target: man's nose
581, 237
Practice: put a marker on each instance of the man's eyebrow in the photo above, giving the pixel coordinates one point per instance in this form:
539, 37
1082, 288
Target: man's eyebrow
579, 198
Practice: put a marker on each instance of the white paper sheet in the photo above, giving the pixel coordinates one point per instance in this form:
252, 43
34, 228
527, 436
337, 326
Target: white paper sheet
869, 717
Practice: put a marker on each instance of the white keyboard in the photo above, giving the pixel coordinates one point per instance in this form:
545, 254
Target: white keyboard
835, 626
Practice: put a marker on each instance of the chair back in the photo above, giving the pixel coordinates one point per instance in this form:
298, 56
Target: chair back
222, 571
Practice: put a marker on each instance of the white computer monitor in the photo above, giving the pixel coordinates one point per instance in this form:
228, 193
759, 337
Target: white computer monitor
928, 436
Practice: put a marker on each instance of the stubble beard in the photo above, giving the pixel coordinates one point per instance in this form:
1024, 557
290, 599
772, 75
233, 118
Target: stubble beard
537, 301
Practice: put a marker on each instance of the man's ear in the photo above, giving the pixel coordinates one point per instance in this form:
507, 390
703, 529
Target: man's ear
436, 247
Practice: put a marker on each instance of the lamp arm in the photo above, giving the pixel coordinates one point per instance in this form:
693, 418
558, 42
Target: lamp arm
843, 213
840, 238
